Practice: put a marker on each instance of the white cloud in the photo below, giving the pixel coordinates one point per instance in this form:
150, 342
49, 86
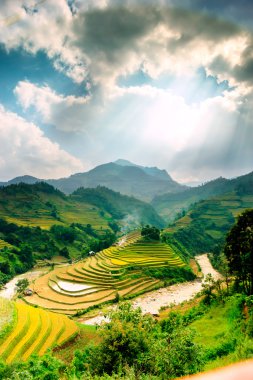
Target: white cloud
25, 150
65, 113
48, 28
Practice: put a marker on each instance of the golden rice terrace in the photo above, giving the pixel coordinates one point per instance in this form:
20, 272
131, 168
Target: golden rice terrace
116, 271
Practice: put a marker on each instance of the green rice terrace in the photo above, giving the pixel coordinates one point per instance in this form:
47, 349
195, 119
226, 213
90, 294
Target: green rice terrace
208, 221
25, 330
118, 271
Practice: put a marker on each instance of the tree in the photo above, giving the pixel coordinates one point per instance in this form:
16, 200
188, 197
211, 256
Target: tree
133, 341
239, 251
22, 285
150, 233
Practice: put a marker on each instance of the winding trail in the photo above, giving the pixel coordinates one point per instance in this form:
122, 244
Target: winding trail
151, 302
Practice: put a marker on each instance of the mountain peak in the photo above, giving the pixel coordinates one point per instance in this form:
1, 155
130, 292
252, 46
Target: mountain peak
123, 162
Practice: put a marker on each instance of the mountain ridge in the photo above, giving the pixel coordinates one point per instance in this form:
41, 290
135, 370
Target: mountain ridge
121, 176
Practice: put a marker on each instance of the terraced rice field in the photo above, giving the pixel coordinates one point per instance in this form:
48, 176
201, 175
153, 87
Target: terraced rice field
114, 271
7, 315
4, 244
33, 331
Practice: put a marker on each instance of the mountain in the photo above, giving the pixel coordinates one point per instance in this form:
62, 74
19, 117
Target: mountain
24, 179
153, 171
169, 205
122, 176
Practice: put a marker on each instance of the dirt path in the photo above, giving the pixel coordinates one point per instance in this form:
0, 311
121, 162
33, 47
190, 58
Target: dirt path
153, 301
10, 288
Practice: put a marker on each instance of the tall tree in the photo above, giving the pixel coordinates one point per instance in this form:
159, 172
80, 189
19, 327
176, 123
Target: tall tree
239, 250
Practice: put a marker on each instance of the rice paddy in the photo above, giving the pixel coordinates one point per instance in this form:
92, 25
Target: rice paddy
32, 330
4, 244
111, 273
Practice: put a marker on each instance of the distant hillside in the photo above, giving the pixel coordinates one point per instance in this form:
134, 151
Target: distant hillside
169, 205
204, 227
123, 176
122, 207
39, 222
43, 205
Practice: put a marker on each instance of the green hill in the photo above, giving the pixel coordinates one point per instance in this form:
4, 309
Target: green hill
127, 209
38, 222
203, 228
42, 205
170, 205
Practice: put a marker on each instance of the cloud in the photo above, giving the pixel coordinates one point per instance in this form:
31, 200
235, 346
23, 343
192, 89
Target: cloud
98, 42
193, 142
101, 40
25, 150
117, 40
66, 113
45, 26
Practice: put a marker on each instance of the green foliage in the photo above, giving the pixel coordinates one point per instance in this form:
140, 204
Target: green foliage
131, 340
32, 243
239, 251
22, 285
150, 233
46, 367
170, 274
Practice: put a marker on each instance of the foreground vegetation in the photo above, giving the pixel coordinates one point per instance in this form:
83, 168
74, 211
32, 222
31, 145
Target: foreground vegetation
133, 346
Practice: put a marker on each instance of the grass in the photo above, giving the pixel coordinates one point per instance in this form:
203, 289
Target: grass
219, 331
87, 334
213, 326
7, 317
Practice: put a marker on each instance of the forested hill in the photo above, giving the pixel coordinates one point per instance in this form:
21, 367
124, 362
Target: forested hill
204, 227
122, 207
42, 205
169, 205
39, 222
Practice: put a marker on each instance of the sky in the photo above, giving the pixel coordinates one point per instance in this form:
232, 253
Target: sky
85, 82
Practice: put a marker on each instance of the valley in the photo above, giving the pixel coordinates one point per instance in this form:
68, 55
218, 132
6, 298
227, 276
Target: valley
88, 254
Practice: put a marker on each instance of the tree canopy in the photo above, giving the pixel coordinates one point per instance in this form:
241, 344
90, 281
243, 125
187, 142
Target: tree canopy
150, 233
239, 251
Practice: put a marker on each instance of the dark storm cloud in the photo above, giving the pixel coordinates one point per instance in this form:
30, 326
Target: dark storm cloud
237, 11
244, 71
111, 31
